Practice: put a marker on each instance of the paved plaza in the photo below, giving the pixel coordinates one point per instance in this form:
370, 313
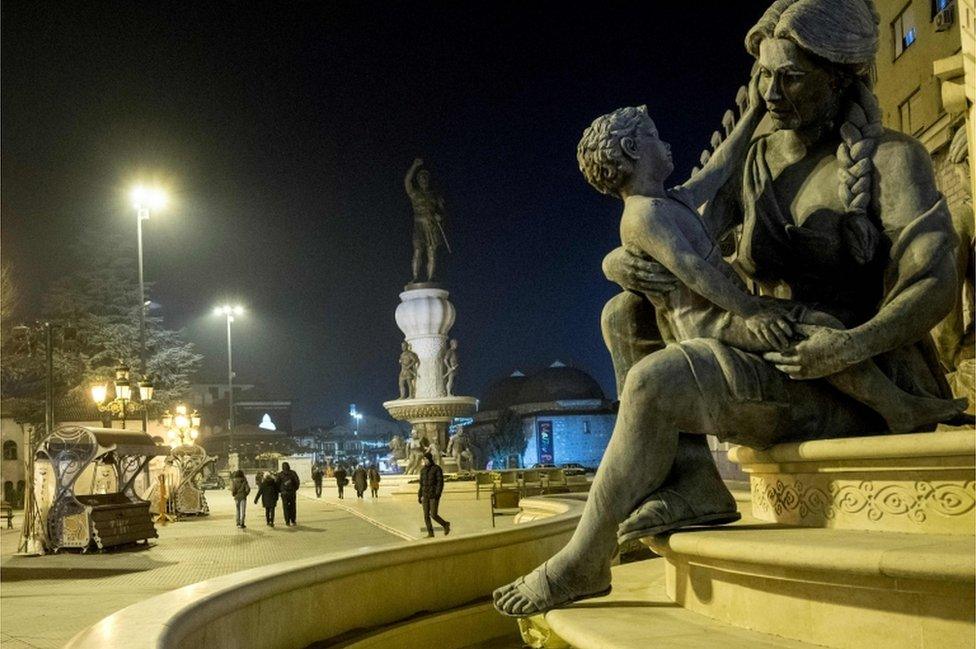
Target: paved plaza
44, 601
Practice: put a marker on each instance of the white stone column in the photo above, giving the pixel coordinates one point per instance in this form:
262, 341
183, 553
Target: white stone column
425, 316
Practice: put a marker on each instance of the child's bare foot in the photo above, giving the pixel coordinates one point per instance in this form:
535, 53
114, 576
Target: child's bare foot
913, 413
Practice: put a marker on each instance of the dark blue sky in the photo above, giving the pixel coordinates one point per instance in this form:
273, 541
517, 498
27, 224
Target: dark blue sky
284, 131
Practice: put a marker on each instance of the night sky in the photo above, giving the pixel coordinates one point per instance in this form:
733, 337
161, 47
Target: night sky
284, 130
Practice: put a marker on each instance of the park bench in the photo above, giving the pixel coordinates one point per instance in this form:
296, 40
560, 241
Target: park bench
7, 511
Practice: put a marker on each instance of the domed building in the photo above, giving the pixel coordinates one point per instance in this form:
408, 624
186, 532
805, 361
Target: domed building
562, 412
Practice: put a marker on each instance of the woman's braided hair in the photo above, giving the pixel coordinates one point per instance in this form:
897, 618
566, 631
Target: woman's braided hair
859, 139
843, 33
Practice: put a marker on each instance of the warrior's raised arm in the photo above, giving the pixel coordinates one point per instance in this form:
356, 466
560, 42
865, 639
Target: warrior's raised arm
408, 180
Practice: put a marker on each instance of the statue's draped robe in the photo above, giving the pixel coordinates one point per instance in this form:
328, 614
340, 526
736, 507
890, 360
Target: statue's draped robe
750, 401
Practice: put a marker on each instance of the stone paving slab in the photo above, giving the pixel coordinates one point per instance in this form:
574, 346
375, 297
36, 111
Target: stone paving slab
405, 517
44, 601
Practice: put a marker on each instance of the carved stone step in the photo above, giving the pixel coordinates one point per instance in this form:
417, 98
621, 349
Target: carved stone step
923, 483
637, 615
848, 589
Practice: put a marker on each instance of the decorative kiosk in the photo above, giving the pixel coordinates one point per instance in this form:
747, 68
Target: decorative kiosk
84, 483
184, 478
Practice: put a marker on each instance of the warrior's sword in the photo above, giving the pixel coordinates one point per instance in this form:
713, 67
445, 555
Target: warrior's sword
443, 236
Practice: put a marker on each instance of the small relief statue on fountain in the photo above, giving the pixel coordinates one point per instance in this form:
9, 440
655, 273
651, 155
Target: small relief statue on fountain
451, 364
409, 363
416, 447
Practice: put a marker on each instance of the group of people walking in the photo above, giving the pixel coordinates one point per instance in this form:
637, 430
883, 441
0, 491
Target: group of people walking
284, 485
361, 478
271, 487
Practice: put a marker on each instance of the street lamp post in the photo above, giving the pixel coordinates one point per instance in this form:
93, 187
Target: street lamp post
183, 427
144, 199
357, 417
123, 393
229, 312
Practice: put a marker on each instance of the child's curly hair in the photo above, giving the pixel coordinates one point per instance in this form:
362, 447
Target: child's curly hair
600, 156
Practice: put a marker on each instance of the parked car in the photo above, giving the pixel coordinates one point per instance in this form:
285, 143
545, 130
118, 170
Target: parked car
574, 468
539, 465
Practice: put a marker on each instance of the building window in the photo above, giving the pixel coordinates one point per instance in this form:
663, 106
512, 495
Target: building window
938, 6
910, 113
904, 31
10, 450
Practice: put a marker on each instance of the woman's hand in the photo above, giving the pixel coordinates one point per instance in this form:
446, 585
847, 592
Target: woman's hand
824, 352
756, 102
634, 273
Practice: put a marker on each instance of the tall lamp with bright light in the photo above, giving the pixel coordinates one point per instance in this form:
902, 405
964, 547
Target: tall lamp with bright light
229, 312
145, 200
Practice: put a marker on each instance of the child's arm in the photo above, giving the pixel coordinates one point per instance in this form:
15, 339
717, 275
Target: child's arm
717, 171
652, 230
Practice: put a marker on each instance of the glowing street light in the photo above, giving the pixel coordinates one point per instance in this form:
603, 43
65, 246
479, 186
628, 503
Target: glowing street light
356, 415
229, 312
144, 200
183, 427
123, 393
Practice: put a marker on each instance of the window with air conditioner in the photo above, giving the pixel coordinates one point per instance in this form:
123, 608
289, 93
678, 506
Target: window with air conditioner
938, 6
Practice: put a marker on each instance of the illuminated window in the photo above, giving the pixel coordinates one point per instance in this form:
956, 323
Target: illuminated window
903, 30
939, 6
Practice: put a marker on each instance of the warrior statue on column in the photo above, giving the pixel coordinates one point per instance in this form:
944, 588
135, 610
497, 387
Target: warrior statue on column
428, 219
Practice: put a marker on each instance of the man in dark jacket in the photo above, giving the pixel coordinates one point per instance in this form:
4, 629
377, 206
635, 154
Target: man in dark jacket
288, 483
340, 478
317, 475
429, 494
359, 480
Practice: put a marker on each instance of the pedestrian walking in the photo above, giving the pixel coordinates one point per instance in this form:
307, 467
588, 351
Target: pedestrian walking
288, 484
359, 480
429, 494
374, 480
268, 493
239, 489
317, 475
259, 478
340, 478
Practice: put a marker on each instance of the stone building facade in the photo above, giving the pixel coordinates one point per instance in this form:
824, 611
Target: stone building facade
926, 87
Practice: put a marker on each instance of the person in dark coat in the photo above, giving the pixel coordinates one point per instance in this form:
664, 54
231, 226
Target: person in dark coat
317, 475
374, 480
288, 483
268, 493
340, 478
239, 489
359, 480
429, 493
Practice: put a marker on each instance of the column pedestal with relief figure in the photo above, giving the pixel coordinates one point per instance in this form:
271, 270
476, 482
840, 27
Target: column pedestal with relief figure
425, 315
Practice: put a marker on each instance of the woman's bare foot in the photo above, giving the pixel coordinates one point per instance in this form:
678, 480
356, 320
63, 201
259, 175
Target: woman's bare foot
912, 412
549, 586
